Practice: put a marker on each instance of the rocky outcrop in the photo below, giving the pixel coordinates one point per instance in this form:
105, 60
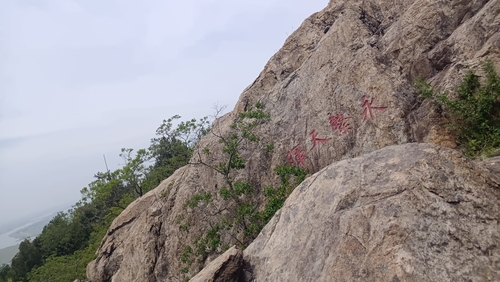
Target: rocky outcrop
227, 267
340, 87
414, 212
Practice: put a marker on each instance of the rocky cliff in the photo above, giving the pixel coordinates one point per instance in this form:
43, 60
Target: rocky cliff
340, 87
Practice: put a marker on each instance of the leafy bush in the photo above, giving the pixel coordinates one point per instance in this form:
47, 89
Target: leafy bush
475, 113
290, 177
237, 219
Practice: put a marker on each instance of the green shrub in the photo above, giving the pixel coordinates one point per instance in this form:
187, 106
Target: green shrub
290, 177
474, 113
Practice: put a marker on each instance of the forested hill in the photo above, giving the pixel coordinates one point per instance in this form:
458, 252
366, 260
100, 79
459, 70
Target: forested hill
70, 240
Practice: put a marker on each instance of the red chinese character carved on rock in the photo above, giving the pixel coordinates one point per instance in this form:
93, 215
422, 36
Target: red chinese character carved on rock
339, 122
315, 139
367, 105
296, 156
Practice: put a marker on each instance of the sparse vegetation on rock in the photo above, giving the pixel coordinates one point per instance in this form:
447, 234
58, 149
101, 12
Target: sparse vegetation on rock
238, 220
474, 112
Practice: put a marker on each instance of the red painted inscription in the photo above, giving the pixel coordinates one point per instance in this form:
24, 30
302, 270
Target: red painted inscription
296, 156
339, 122
315, 139
367, 105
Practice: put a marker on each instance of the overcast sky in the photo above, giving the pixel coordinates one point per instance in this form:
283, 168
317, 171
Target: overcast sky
79, 79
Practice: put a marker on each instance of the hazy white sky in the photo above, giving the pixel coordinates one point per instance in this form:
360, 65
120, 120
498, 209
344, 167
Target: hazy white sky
79, 79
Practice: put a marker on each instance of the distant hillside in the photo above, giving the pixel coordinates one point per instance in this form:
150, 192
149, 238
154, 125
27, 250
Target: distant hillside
33, 230
8, 253
28, 231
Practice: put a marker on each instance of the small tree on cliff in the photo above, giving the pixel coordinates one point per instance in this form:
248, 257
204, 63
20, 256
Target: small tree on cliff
237, 219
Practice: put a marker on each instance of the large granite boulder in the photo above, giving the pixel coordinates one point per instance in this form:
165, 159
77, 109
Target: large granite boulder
414, 212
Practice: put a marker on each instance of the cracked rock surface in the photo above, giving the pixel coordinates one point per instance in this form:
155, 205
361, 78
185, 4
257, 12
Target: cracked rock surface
413, 212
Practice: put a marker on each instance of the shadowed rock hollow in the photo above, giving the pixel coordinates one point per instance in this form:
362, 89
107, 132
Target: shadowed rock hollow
340, 87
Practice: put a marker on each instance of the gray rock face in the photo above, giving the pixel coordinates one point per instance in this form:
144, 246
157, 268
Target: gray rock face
414, 212
341, 87
227, 267
492, 164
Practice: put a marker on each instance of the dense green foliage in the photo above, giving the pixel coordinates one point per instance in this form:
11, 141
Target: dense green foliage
5, 273
475, 113
237, 221
69, 241
290, 177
